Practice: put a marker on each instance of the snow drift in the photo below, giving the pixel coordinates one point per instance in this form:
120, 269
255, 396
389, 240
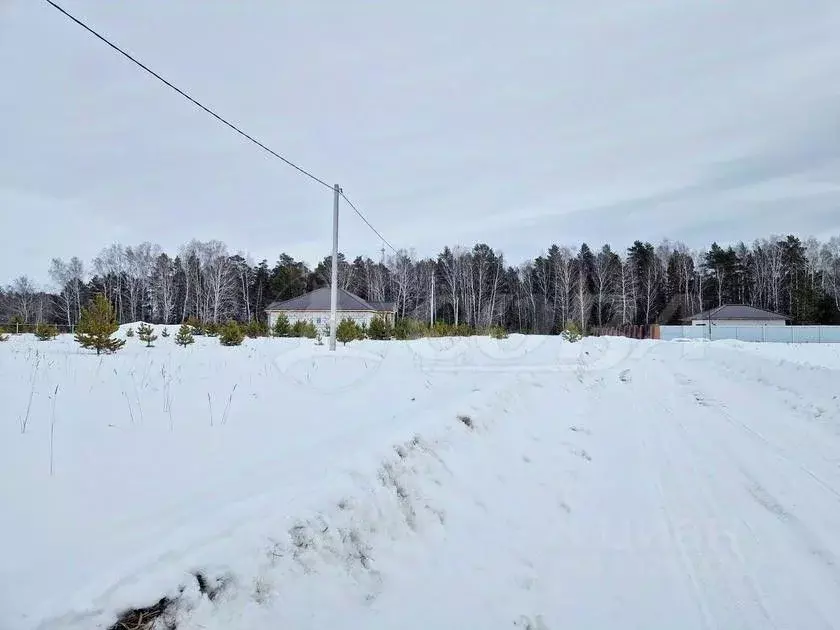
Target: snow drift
448, 483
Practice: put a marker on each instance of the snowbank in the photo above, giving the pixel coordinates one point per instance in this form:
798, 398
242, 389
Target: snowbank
447, 483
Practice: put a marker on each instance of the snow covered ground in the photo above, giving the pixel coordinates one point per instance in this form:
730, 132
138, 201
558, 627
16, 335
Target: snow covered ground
468, 483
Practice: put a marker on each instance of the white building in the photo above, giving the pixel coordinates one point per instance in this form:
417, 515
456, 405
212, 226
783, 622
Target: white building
737, 315
315, 307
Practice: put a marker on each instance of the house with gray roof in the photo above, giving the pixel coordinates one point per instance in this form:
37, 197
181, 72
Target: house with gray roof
315, 307
737, 315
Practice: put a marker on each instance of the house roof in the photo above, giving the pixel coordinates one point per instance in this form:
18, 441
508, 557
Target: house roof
319, 300
384, 306
736, 312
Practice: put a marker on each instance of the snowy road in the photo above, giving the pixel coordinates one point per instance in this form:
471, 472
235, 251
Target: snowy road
681, 496
709, 501
601, 485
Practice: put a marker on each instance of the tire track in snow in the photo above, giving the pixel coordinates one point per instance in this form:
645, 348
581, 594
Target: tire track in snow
684, 390
758, 407
699, 485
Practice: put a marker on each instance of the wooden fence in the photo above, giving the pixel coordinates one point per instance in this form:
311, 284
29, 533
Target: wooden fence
633, 331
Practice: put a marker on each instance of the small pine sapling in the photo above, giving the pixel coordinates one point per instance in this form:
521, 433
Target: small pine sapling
498, 332
256, 329
348, 330
184, 336
129, 332
196, 327
281, 326
17, 325
165, 332
146, 334
379, 329
46, 332
96, 325
303, 328
572, 332
231, 334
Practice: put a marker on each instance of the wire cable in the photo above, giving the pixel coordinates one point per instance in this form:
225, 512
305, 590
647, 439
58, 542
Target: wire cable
217, 116
375, 231
187, 96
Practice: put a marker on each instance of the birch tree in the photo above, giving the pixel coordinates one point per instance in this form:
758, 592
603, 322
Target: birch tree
23, 295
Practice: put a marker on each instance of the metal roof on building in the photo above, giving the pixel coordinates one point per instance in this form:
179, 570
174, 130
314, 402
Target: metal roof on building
319, 300
736, 312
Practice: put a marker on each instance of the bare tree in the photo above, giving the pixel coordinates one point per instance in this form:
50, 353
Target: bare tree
219, 278
450, 263
60, 275
24, 300
163, 288
563, 284
109, 266
624, 301
403, 278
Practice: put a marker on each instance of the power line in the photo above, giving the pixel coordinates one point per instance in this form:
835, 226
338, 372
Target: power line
187, 96
375, 231
216, 116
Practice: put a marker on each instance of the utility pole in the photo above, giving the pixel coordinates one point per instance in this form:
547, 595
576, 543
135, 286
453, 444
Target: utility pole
432, 305
334, 274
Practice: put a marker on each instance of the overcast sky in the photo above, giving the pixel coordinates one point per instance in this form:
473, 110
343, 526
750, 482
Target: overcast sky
448, 122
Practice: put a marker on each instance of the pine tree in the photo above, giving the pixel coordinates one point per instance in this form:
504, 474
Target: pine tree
195, 325
184, 337
571, 333
129, 332
96, 325
281, 326
146, 334
256, 329
379, 329
303, 328
348, 330
231, 334
165, 332
46, 332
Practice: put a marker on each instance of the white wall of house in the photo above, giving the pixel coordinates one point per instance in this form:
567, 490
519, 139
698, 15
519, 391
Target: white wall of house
739, 322
321, 319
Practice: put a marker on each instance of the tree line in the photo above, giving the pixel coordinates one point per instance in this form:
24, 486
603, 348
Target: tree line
475, 286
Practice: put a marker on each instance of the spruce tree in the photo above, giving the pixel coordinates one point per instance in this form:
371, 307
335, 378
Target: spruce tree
129, 332
146, 334
165, 332
184, 337
96, 325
